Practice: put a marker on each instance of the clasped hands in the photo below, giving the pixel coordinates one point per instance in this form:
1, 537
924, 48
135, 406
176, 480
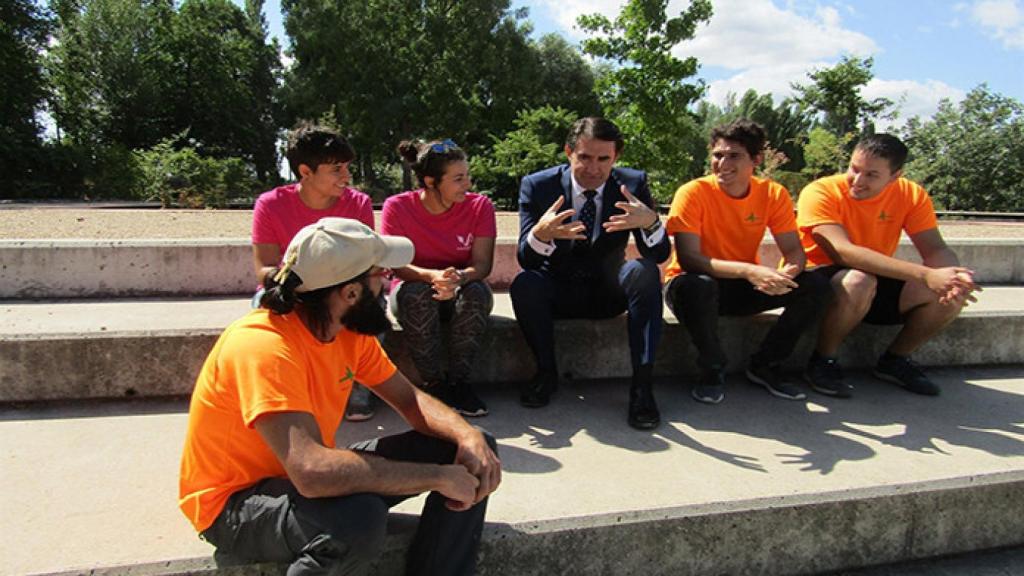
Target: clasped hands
773, 282
954, 285
447, 282
475, 474
553, 225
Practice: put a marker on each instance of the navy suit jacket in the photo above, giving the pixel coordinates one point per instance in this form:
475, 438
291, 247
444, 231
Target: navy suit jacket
539, 190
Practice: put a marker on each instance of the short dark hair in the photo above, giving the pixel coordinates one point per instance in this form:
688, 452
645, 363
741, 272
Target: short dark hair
313, 145
594, 128
747, 132
885, 146
430, 158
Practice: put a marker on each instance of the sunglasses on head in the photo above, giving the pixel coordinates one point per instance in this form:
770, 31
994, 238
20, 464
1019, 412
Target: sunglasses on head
443, 146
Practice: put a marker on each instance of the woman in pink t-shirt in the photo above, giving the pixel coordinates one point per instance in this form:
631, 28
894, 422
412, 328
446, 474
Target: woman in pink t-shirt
453, 231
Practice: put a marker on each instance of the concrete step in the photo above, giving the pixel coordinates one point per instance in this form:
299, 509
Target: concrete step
755, 485
209, 267
155, 347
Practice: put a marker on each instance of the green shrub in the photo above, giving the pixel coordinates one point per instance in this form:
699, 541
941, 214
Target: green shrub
182, 177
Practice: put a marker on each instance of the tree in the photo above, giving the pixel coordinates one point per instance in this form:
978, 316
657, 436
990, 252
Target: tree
825, 153
227, 75
970, 156
786, 125
111, 71
536, 143
835, 93
395, 69
23, 32
645, 91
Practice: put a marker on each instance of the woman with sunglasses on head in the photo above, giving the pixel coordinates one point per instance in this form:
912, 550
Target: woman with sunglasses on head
453, 231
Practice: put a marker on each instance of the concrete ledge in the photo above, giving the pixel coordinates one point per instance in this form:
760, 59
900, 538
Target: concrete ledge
105, 269
115, 358
800, 534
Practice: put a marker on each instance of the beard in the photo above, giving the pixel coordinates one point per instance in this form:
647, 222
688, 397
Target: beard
366, 316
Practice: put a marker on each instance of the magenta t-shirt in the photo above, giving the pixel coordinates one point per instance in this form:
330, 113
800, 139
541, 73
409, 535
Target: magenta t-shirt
279, 214
441, 240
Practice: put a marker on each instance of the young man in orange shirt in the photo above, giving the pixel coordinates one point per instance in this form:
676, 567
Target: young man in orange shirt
718, 223
261, 478
850, 226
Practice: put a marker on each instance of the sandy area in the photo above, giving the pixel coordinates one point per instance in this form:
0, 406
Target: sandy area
105, 223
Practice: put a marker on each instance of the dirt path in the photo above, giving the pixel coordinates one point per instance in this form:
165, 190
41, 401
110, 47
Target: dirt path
114, 224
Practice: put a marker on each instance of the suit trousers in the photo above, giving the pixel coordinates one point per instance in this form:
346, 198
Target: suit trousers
698, 300
634, 286
271, 522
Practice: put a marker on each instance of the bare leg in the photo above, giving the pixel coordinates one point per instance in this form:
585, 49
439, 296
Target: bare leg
925, 317
853, 292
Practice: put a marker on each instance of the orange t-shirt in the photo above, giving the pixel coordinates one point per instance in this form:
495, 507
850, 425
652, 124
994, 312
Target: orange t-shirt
729, 228
874, 223
264, 363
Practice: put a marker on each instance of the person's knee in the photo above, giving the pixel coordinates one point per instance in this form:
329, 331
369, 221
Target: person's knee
640, 275
478, 293
529, 289
354, 529
489, 438
813, 285
854, 288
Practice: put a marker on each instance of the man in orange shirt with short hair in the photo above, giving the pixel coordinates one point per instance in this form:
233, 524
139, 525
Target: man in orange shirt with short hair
850, 226
718, 223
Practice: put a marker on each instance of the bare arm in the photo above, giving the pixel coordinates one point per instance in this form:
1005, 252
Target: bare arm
264, 258
430, 416
836, 243
319, 471
794, 259
762, 278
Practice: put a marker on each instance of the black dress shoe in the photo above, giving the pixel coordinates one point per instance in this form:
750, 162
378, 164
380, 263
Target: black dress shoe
643, 410
537, 392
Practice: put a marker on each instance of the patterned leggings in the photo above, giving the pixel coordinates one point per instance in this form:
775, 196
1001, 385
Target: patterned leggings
421, 316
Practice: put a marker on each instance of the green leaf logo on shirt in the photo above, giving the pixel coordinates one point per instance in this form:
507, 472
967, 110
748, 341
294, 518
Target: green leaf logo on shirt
751, 218
882, 217
349, 375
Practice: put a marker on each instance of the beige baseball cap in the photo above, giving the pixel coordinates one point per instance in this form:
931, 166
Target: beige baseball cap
338, 249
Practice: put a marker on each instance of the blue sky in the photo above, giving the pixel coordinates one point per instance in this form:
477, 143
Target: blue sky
924, 50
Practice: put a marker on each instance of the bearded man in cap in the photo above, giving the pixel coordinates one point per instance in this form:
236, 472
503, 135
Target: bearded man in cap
261, 478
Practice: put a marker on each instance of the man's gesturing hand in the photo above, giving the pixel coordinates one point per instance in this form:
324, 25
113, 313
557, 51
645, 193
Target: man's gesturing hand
636, 214
481, 462
553, 226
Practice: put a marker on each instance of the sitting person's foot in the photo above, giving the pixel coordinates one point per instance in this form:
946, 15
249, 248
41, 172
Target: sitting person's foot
537, 392
826, 377
361, 404
711, 388
903, 371
771, 377
643, 410
466, 402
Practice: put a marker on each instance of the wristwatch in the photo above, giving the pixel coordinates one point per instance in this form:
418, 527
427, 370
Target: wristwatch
653, 227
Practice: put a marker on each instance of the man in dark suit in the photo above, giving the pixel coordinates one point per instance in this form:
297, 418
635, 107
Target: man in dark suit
574, 263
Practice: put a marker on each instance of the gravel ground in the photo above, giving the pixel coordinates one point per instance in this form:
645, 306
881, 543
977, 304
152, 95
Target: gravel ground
115, 224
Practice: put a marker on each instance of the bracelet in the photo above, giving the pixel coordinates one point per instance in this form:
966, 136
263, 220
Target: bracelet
462, 277
653, 227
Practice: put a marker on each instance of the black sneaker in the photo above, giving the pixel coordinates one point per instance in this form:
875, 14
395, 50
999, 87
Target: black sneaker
711, 388
466, 402
770, 376
537, 392
903, 371
361, 404
440, 390
825, 376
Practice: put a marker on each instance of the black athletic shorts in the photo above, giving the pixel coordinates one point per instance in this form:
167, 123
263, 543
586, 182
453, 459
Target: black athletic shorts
885, 307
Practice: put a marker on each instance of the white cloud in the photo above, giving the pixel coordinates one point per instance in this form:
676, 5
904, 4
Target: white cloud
912, 97
1002, 18
746, 34
565, 12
